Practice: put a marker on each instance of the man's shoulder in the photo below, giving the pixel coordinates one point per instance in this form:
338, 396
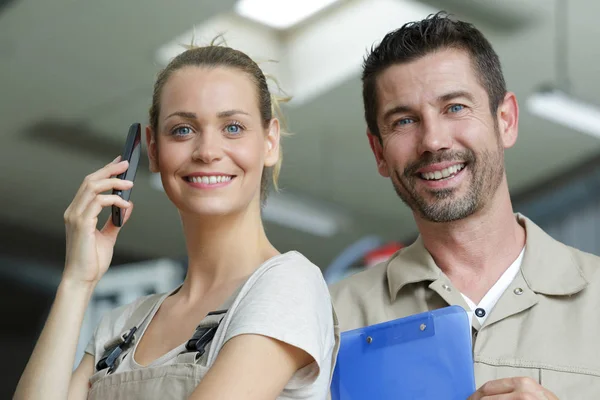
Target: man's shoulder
358, 297
360, 283
588, 263
558, 263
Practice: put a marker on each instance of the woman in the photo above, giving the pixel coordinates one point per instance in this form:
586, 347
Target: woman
248, 322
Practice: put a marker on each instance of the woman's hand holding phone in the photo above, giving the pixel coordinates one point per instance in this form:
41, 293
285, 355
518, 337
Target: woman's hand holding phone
89, 249
49, 372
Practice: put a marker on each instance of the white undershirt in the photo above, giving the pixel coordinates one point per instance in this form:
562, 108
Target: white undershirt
493, 295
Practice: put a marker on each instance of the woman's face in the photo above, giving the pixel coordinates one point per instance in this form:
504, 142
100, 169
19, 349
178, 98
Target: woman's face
211, 145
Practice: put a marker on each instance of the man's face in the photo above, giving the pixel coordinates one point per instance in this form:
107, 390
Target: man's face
440, 144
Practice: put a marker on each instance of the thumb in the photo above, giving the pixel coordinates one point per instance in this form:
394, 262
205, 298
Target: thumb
127, 212
110, 229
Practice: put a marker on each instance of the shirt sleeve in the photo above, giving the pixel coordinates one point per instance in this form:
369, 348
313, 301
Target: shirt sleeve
110, 326
106, 329
91, 346
289, 302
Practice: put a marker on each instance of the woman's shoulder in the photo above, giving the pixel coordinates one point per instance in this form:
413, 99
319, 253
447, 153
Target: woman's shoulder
288, 271
287, 299
282, 281
292, 264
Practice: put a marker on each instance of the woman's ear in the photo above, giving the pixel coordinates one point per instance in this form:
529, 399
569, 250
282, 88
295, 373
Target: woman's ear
152, 149
272, 143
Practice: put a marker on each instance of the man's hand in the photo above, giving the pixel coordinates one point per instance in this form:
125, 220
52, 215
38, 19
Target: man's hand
512, 389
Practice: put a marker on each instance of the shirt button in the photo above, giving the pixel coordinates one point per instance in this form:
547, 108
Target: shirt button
446, 287
480, 312
518, 291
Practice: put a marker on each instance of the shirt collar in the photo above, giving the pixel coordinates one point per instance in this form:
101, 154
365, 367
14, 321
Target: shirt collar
410, 265
548, 266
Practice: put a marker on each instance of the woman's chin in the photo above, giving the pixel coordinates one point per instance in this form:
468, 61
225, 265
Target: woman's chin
208, 210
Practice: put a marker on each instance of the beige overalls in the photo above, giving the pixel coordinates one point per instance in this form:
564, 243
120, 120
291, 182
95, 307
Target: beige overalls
173, 381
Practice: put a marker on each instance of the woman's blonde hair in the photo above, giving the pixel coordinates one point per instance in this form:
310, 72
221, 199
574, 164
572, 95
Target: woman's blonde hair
220, 55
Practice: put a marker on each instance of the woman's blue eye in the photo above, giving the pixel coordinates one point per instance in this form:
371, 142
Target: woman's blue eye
456, 108
182, 131
233, 128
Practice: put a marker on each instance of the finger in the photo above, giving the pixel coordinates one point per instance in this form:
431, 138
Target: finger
98, 180
127, 212
111, 230
99, 202
95, 188
499, 386
104, 185
70, 212
109, 170
506, 396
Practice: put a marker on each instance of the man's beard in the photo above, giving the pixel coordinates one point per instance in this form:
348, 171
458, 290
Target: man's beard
487, 171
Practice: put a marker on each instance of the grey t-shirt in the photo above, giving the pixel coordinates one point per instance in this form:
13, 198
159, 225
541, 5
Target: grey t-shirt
286, 298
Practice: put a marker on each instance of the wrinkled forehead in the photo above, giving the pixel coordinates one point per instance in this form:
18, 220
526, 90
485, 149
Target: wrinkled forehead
425, 80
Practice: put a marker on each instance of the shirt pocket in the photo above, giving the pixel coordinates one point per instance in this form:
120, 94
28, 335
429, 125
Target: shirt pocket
571, 385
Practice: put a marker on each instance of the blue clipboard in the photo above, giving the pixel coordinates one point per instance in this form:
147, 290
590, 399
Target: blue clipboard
425, 356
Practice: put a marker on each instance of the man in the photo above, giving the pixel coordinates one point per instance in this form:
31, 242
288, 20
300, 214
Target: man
439, 118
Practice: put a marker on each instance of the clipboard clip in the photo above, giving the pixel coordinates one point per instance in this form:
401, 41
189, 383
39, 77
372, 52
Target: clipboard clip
404, 331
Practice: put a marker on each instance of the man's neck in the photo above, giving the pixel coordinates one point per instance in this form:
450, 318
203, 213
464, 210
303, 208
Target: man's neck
474, 252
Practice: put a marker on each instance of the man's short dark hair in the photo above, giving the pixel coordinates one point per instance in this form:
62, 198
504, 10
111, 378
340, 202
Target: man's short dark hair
417, 39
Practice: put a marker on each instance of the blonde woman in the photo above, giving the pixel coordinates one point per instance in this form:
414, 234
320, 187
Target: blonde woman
248, 322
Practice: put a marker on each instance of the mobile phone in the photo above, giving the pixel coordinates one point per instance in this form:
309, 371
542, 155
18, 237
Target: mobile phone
131, 153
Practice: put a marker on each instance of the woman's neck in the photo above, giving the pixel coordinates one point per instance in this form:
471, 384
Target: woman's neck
223, 249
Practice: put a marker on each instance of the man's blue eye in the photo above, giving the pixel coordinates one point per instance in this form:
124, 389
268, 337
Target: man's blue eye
405, 121
456, 108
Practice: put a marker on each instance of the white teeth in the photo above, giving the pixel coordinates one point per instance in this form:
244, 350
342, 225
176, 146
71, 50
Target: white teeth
210, 180
445, 173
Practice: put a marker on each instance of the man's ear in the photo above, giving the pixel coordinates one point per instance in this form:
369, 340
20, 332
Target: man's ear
152, 149
508, 120
272, 143
377, 148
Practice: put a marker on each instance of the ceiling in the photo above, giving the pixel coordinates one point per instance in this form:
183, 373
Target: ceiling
74, 75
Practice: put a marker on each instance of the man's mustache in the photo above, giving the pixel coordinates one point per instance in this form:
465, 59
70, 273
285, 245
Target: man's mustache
463, 156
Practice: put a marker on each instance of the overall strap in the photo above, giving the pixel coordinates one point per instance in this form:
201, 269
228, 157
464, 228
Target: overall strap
196, 347
116, 346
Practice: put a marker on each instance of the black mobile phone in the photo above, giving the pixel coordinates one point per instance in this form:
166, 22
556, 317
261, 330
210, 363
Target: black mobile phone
131, 153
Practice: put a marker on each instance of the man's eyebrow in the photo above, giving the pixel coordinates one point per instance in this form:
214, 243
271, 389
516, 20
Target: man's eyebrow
456, 94
396, 110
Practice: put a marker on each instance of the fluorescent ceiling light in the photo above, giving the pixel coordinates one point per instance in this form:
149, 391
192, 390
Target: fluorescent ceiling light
280, 14
314, 59
295, 212
558, 107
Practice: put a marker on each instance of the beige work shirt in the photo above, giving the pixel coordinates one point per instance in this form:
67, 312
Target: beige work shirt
546, 325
